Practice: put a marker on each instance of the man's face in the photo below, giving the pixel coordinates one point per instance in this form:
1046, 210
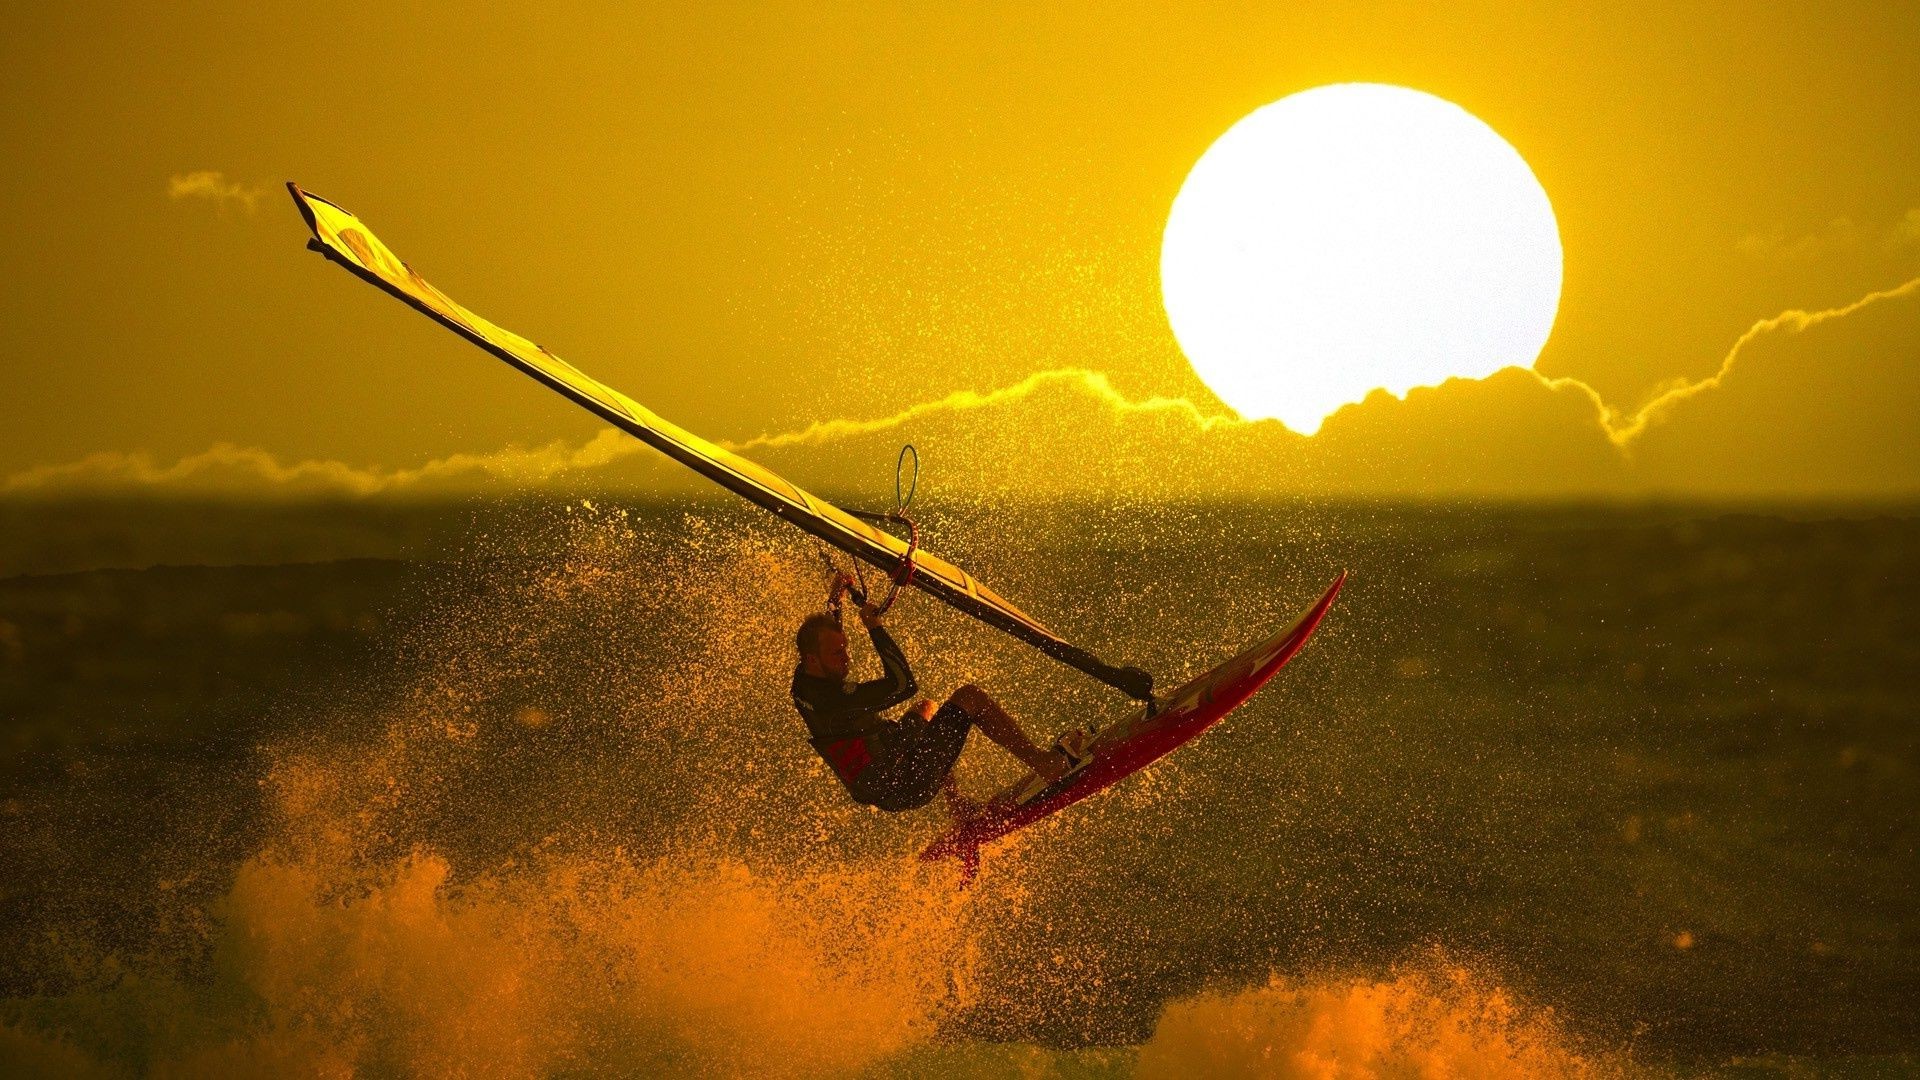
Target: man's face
832, 656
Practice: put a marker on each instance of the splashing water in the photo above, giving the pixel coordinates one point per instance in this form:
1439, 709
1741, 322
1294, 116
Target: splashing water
577, 831
1431, 1022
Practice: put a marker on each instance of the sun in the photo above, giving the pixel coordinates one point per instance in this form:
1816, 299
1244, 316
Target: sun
1357, 237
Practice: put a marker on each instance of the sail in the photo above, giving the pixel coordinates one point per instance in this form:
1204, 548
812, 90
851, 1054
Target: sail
342, 237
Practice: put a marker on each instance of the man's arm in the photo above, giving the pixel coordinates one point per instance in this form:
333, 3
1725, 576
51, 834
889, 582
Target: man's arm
895, 684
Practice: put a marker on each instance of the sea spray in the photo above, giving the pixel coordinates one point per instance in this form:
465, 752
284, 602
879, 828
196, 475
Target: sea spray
1431, 1020
569, 825
575, 836
684, 965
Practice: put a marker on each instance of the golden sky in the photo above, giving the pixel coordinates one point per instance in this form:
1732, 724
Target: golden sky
755, 219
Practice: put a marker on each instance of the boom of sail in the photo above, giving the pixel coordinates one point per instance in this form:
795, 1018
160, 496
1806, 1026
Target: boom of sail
342, 238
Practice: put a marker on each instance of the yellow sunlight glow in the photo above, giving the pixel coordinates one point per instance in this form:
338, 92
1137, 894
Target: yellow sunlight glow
1354, 237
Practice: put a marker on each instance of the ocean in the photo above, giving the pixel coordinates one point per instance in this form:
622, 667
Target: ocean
513, 788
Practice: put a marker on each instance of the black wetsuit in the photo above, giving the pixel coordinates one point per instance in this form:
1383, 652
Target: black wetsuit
891, 764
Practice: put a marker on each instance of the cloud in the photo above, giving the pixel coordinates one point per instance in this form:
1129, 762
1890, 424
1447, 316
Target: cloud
215, 187
1838, 236
613, 459
1904, 232
229, 470
1818, 402
1623, 428
1803, 403
1094, 384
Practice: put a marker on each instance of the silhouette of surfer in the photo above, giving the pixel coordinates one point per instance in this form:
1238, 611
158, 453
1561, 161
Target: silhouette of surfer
897, 765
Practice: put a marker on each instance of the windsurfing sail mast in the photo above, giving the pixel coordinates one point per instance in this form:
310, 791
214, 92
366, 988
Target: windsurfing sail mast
344, 239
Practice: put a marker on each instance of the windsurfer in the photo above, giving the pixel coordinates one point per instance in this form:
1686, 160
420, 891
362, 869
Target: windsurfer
900, 764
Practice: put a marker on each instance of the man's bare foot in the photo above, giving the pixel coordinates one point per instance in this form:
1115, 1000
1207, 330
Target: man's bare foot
1068, 754
1074, 744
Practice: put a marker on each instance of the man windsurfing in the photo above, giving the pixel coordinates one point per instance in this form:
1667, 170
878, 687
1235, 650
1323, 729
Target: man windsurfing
891, 764
897, 765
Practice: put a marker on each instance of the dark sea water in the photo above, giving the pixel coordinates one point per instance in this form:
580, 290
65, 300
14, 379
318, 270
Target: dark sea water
516, 790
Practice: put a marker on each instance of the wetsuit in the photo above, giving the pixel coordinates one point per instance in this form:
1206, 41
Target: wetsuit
891, 764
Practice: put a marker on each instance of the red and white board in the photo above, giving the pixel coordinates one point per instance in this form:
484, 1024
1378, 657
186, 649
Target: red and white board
1132, 744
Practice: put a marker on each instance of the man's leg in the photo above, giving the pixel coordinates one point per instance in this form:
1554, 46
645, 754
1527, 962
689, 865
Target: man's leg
995, 724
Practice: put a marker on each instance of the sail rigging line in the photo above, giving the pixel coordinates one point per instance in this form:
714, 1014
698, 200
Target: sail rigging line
834, 586
346, 240
900, 505
902, 574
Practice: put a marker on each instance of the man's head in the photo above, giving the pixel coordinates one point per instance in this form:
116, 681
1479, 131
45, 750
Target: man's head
823, 647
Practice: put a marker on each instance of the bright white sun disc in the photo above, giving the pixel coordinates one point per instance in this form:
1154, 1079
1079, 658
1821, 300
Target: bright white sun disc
1357, 237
